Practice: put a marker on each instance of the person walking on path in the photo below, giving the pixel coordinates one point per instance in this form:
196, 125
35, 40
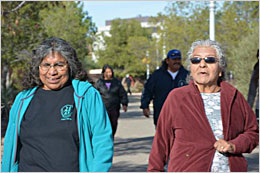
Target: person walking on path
254, 87
129, 81
171, 75
113, 94
59, 122
207, 125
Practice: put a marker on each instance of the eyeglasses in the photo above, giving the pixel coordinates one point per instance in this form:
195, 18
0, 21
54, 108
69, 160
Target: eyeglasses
208, 60
60, 66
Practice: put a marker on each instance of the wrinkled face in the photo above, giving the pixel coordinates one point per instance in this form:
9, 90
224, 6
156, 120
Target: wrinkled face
54, 72
173, 64
205, 73
108, 74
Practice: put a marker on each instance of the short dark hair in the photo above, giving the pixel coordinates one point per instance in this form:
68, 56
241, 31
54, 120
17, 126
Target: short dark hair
50, 45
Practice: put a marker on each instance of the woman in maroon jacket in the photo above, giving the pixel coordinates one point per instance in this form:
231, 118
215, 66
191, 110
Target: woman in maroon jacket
207, 125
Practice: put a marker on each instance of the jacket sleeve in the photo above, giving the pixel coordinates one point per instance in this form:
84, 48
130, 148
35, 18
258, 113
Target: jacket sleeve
245, 142
123, 95
97, 84
148, 92
163, 140
8, 164
102, 140
252, 89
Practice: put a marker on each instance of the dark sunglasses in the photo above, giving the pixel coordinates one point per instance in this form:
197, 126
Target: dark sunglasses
208, 60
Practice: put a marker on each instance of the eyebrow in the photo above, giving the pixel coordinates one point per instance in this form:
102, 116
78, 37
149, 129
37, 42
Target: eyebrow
55, 62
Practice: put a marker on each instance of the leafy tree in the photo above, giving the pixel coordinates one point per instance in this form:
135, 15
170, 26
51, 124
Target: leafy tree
126, 47
25, 24
71, 23
237, 29
235, 22
183, 23
244, 58
21, 30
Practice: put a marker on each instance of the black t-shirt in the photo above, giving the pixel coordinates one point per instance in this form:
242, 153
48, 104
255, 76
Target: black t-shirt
49, 137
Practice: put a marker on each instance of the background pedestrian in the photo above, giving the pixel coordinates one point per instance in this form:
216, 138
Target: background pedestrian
170, 75
113, 94
254, 87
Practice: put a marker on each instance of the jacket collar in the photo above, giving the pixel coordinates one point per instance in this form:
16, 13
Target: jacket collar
227, 95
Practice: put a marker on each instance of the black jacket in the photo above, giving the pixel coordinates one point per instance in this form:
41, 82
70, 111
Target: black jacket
253, 87
114, 96
158, 87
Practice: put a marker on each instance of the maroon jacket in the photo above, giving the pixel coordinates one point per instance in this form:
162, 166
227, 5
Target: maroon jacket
185, 137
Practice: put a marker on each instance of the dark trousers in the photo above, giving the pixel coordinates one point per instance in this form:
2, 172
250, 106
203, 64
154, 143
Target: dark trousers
113, 117
129, 89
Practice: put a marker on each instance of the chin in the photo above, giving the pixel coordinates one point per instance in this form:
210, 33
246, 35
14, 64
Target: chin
54, 87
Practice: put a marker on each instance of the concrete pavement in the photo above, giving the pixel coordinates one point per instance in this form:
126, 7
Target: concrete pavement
133, 141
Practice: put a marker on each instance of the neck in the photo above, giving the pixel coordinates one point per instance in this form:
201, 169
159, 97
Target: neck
208, 89
173, 70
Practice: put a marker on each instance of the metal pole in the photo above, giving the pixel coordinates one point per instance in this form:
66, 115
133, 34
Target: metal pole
147, 65
212, 20
164, 47
157, 58
163, 39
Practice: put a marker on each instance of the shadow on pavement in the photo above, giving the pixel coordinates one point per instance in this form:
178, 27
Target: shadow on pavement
134, 98
126, 167
132, 146
253, 162
132, 114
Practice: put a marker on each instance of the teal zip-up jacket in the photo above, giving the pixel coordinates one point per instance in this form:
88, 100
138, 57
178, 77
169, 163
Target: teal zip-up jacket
94, 129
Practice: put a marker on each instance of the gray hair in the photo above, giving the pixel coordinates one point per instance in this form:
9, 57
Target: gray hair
50, 45
208, 43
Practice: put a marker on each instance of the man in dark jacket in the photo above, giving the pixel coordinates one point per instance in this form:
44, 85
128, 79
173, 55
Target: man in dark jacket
171, 75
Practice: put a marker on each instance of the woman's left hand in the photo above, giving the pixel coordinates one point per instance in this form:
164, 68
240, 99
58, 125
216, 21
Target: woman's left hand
125, 108
224, 146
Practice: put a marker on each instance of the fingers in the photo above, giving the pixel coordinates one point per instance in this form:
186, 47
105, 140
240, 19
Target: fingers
146, 112
224, 146
125, 108
147, 116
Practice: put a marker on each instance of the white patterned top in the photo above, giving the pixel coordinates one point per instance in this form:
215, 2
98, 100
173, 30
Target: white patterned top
212, 108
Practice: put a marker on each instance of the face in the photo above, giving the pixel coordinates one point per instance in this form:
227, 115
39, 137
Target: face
173, 64
108, 74
54, 72
205, 74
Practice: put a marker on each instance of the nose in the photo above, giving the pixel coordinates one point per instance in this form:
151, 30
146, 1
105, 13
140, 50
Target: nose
53, 71
202, 63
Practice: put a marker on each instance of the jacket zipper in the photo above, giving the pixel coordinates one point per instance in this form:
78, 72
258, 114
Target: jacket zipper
79, 97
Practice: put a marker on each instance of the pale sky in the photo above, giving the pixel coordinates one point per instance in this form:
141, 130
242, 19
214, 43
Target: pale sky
100, 11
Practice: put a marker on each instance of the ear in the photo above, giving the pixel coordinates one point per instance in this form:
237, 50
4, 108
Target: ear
220, 73
167, 61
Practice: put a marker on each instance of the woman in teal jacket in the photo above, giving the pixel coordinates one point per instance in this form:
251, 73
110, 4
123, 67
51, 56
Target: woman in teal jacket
72, 134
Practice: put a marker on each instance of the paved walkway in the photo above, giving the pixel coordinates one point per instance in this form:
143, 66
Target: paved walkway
134, 137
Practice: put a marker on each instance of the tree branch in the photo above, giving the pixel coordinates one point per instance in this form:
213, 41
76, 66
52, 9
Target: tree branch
16, 8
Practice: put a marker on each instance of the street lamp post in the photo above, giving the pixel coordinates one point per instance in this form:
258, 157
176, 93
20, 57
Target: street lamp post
147, 65
212, 20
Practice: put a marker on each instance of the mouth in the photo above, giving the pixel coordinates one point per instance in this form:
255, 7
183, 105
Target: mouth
203, 73
53, 80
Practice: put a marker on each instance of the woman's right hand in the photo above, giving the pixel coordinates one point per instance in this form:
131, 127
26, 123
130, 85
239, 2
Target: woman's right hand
224, 146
